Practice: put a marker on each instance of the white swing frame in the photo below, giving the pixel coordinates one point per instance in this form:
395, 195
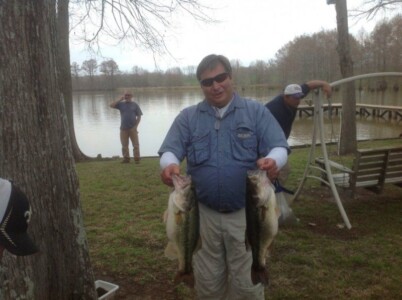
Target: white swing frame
319, 125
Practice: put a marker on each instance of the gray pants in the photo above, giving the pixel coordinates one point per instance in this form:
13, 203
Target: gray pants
222, 267
132, 134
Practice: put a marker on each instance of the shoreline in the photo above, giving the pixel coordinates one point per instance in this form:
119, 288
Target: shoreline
302, 146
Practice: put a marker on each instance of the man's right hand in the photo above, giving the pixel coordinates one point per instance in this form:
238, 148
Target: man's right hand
166, 174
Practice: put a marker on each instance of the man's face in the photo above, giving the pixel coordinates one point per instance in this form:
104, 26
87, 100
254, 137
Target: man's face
128, 97
217, 86
292, 101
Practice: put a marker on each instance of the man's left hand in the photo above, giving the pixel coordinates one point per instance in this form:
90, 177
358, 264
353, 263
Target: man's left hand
269, 165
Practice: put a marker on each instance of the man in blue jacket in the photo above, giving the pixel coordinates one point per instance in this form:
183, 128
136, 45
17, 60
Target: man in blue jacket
222, 138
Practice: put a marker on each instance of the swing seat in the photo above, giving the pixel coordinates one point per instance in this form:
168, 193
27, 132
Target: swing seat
372, 168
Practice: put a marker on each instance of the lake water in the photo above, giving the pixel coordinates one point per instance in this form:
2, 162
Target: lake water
97, 125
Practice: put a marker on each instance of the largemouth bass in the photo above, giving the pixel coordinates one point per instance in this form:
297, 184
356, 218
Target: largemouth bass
262, 215
183, 228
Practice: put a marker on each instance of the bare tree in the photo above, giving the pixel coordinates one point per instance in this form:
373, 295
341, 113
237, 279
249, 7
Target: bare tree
260, 73
307, 56
65, 71
386, 45
75, 73
145, 23
370, 8
109, 68
189, 70
35, 151
173, 77
75, 70
90, 67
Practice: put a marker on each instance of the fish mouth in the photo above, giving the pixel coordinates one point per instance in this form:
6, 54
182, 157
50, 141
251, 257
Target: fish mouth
182, 185
180, 181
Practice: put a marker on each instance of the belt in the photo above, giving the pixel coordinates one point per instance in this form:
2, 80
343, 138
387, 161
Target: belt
225, 211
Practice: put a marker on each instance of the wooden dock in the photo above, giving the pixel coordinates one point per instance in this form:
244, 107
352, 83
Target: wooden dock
364, 110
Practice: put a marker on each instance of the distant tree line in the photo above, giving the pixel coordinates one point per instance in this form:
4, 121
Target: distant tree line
306, 57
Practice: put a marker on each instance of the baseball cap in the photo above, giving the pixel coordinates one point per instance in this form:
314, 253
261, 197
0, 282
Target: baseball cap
15, 214
294, 90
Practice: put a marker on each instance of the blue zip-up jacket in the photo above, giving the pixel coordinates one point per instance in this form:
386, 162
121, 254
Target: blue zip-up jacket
219, 151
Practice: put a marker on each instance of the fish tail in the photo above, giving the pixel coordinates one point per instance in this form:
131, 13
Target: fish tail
259, 275
186, 278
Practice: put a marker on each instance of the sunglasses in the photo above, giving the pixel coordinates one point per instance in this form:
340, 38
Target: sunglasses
218, 78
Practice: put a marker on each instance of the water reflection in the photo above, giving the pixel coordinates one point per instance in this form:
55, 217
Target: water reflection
97, 125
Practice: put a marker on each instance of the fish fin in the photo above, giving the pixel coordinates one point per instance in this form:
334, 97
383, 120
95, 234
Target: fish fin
171, 251
198, 246
248, 246
270, 246
247, 243
277, 210
259, 275
165, 216
186, 278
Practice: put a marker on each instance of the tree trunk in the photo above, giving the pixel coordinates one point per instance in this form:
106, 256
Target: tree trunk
65, 72
347, 143
35, 152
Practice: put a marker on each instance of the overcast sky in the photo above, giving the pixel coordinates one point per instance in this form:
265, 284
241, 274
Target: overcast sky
249, 30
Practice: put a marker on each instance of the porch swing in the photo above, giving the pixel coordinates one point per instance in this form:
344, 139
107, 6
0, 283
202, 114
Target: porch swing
318, 129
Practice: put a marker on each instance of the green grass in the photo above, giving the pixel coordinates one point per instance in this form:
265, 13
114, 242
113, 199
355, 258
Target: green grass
123, 206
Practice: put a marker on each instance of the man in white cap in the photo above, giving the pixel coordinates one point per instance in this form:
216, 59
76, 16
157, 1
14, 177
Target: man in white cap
284, 109
15, 214
284, 106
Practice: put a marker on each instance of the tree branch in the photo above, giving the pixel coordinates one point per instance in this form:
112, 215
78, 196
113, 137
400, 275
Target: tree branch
142, 22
